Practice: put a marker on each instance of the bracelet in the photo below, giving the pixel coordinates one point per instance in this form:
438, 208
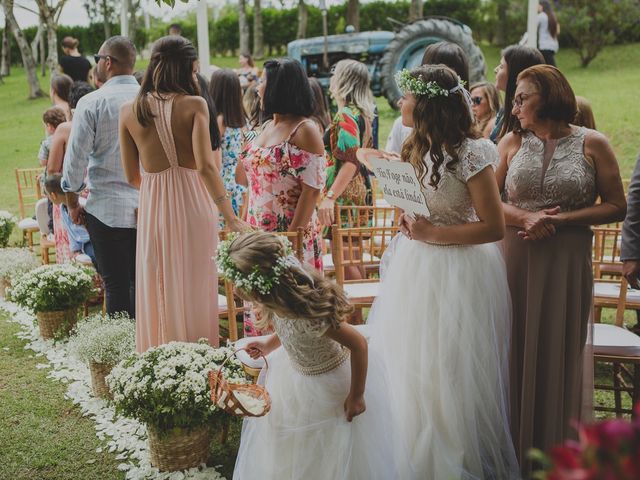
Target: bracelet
221, 198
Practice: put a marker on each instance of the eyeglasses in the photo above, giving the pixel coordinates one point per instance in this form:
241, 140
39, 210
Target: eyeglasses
519, 99
476, 100
97, 58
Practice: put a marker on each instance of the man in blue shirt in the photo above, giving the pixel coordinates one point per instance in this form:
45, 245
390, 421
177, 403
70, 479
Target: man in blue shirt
92, 161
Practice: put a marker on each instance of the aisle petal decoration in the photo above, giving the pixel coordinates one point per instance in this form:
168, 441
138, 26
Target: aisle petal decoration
125, 437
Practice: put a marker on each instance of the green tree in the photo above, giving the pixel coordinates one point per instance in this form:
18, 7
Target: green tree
592, 25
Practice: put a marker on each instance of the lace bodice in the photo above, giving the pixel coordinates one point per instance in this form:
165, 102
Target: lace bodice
451, 203
569, 181
310, 351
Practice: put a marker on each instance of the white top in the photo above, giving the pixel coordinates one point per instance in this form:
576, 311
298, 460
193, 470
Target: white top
399, 133
545, 40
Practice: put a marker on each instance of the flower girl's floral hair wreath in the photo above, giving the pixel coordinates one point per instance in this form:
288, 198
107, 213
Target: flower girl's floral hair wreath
265, 271
441, 117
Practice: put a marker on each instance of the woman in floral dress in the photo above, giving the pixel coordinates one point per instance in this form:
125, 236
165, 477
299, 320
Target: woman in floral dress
348, 182
226, 93
285, 163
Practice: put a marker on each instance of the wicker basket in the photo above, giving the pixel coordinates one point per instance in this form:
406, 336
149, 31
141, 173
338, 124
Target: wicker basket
58, 323
178, 449
4, 284
98, 372
221, 389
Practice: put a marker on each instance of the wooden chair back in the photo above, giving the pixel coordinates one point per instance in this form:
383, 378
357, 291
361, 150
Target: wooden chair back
360, 247
606, 252
29, 192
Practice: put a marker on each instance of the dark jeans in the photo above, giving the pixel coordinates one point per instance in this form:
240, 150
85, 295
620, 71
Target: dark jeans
549, 57
115, 252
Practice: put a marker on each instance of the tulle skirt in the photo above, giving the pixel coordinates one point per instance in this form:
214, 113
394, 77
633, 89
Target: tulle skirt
306, 434
442, 326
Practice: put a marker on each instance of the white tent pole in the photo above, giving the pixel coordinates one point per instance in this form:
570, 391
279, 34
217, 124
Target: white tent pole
203, 37
124, 18
532, 24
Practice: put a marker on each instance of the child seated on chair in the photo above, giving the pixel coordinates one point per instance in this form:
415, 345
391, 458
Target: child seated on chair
317, 381
52, 117
79, 241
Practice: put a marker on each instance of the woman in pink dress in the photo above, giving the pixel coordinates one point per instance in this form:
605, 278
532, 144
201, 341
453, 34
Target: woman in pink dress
169, 131
285, 164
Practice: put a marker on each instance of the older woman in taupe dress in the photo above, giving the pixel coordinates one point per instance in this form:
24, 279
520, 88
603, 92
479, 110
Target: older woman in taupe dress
551, 174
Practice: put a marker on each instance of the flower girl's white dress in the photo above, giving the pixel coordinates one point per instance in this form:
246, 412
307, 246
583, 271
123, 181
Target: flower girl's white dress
306, 436
442, 322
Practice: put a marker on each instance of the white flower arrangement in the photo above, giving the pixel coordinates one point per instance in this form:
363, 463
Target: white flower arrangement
51, 288
106, 339
16, 261
7, 222
168, 387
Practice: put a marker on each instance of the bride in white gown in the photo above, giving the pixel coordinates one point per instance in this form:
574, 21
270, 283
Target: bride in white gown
442, 319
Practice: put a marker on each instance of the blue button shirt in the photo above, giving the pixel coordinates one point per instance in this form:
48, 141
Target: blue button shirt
94, 148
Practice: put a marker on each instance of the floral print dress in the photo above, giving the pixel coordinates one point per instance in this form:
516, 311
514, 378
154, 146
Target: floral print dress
231, 147
275, 175
343, 138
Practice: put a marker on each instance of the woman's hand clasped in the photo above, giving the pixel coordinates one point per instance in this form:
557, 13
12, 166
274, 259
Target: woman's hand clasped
416, 229
540, 225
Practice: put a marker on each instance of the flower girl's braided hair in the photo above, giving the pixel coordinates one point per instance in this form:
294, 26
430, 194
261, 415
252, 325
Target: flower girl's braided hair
441, 118
264, 271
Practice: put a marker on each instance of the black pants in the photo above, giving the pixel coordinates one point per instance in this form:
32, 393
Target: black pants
549, 57
115, 250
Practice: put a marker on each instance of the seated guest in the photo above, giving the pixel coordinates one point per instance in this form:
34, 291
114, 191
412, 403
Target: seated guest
51, 118
486, 104
78, 236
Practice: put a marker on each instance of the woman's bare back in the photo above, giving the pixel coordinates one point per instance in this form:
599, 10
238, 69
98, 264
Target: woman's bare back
151, 154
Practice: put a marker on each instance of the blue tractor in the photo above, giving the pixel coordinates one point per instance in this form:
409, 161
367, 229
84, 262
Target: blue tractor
386, 52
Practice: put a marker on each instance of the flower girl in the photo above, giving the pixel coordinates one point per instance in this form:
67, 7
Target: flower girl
319, 426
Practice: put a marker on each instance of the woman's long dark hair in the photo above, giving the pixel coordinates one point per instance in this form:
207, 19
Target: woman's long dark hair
214, 131
440, 124
226, 93
517, 58
449, 54
553, 20
321, 105
170, 71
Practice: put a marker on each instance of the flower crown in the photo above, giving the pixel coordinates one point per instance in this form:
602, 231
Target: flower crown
256, 280
418, 87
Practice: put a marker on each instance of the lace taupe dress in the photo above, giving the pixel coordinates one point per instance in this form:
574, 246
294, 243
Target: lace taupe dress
551, 286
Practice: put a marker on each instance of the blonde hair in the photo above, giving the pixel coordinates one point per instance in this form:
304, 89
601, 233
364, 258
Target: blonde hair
301, 292
492, 97
584, 116
352, 86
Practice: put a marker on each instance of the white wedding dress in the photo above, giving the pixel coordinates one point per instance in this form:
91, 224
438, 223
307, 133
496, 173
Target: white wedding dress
442, 324
306, 435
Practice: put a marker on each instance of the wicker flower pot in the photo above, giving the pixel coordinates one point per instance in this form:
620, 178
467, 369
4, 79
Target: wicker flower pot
57, 324
4, 284
178, 449
98, 372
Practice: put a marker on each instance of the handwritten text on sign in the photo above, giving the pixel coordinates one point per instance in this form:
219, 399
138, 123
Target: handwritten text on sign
400, 186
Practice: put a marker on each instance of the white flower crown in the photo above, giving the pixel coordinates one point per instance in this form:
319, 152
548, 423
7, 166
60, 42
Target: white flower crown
256, 280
